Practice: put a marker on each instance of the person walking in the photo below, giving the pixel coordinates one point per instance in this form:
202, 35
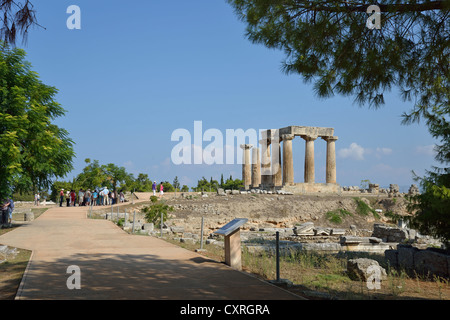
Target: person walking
68, 198
100, 198
122, 196
94, 197
161, 190
4, 213
154, 188
105, 195
10, 211
71, 198
80, 197
61, 197
87, 197
36, 199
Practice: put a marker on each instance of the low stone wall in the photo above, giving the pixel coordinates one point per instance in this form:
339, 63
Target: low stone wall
393, 234
422, 261
314, 188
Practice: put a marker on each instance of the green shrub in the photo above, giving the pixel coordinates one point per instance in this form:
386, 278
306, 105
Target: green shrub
336, 216
154, 211
363, 209
393, 216
153, 198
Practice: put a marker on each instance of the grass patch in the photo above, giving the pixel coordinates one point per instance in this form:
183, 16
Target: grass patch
314, 273
11, 273
364, 209
336, 216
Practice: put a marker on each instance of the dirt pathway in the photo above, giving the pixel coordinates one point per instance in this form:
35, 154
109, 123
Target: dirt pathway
116, 265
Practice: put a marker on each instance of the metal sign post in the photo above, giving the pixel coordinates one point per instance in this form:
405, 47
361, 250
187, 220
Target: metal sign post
162, 221
134, 218
201, 236
278, 255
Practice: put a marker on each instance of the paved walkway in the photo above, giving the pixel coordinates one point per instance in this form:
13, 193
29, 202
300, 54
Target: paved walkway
115, 265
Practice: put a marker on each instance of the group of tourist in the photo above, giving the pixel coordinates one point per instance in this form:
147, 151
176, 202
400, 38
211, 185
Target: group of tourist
37, 199
102, 197
97, 197
7, 208
161, 189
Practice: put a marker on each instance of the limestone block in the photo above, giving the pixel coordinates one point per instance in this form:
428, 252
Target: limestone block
406, 256
359, 269
322, 231
176, 229
326, 246
428, 261
306, 228
391, 257
337, 232
394, 188
187, 240
28, 216
129, 226
148, 226
356, 240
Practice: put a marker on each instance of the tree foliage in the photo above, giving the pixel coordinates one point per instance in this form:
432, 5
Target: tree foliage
33, 150
16, 18
110, 175
432, 208
142, 183
233, 184
176, 184
204, 185
329, 43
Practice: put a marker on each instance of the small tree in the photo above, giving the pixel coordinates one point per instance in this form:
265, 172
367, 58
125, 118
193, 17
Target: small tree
168, 187
221, 181
234, 184
176, 184
365, 184
154, 211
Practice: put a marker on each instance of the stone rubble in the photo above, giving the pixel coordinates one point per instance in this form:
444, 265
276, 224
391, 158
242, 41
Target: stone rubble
359, 269
7, 253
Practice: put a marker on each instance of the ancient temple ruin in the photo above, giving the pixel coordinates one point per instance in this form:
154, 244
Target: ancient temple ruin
271, 167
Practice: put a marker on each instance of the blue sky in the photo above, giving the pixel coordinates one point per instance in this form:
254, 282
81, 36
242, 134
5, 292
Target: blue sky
134, 73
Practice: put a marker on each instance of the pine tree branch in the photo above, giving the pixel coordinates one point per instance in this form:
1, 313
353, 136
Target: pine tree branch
345, 6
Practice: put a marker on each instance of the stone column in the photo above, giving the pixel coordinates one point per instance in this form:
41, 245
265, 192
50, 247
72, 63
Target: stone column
331, 159
246, 166
309, 159
288, 162
277, 177
256, 168
266, 175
